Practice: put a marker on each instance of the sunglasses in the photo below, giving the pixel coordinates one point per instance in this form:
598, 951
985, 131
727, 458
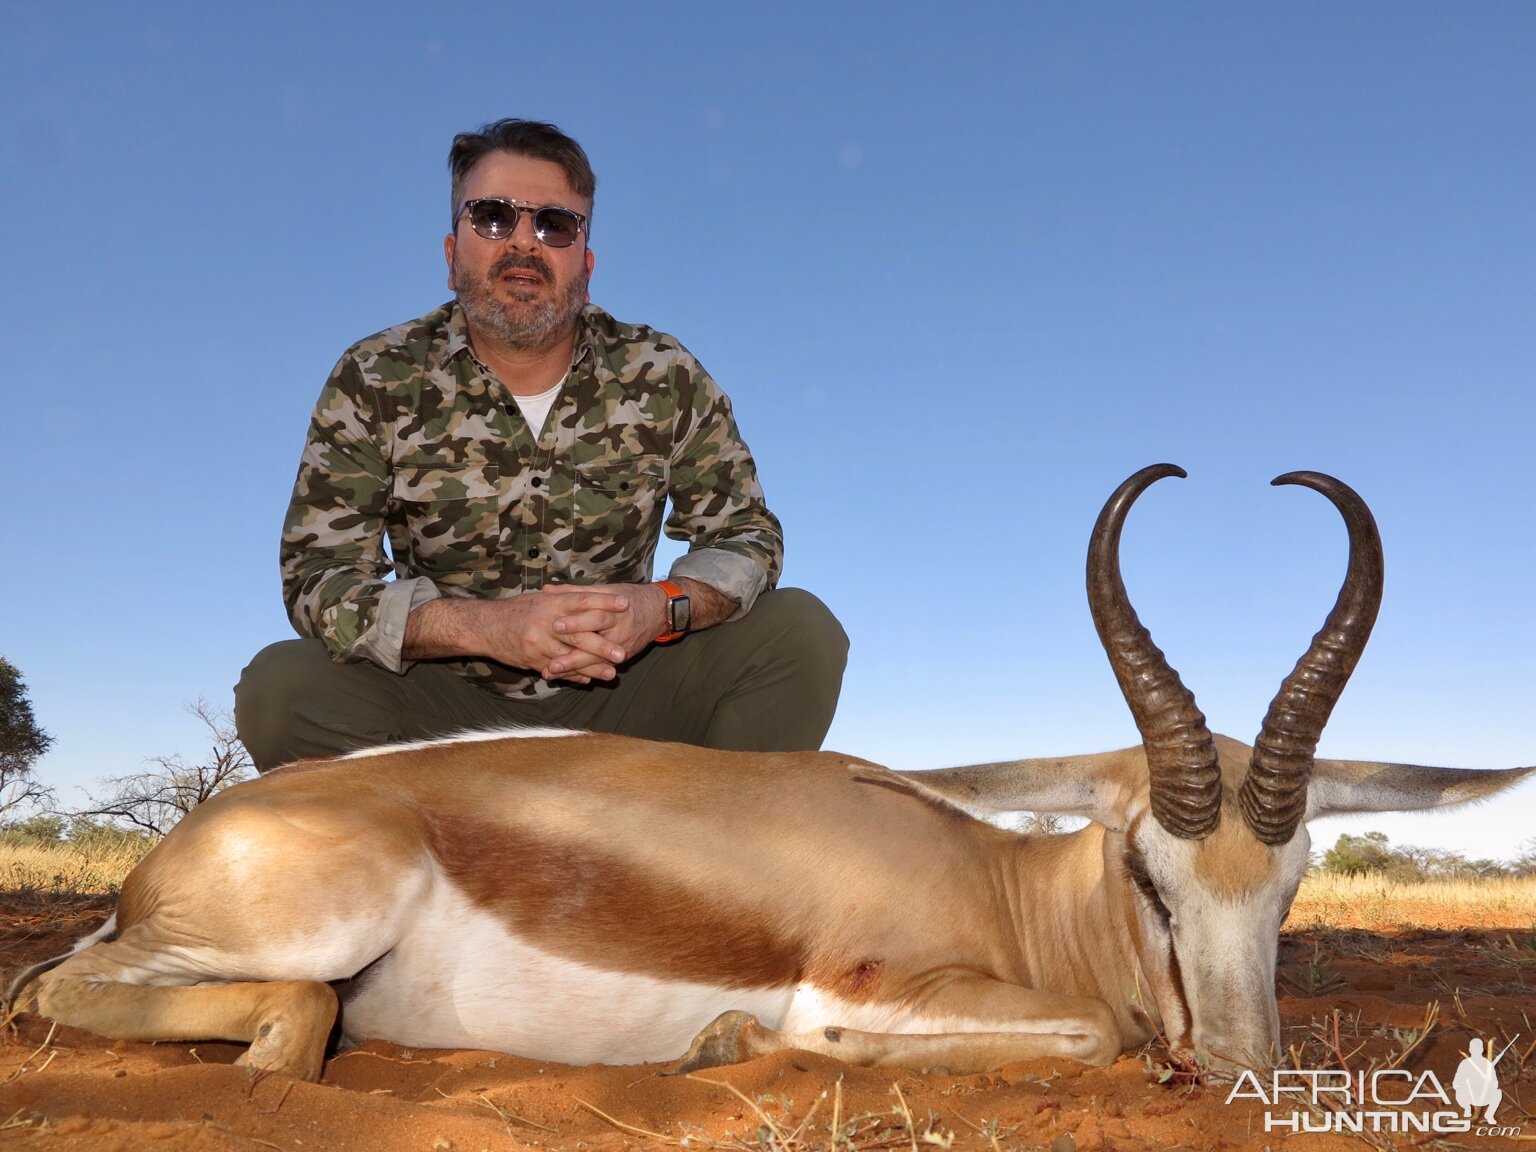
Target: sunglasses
496, 219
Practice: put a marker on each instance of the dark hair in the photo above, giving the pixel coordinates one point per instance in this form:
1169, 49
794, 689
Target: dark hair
532, 138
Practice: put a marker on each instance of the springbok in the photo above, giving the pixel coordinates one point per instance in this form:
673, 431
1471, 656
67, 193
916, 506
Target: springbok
588, 898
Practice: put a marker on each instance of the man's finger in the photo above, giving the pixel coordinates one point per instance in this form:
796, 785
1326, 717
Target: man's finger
580, 668
570, 678
590, 621
590, 597
585, 652
593, 644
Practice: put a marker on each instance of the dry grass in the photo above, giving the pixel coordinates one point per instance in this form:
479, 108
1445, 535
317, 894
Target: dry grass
67, 869
867, 1132
1371, 902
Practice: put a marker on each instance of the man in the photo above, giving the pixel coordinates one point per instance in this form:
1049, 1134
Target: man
516, 449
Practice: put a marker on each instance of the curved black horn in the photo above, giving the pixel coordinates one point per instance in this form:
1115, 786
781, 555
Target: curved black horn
1274, 793
1181, 756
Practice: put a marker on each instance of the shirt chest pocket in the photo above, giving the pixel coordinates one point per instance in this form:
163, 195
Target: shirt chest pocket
451, 512
617, 501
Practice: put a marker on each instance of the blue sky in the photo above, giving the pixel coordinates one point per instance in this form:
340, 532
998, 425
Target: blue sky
962, 270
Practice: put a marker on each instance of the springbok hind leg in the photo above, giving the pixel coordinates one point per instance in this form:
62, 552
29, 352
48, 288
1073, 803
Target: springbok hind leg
287, 1022
972, 1025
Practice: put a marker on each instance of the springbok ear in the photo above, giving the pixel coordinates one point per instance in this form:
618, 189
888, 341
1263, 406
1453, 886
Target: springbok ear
1100, 787
1371, 786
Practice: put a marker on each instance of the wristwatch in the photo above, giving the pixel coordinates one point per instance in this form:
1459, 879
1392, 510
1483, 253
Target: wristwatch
679, 612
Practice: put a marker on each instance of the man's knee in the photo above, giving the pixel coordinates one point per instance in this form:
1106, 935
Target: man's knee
273, 689
806, 627
787, 665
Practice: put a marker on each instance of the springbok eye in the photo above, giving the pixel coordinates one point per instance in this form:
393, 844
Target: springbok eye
1136, 868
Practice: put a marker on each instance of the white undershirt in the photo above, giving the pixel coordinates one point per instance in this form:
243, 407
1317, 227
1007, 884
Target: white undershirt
535, 409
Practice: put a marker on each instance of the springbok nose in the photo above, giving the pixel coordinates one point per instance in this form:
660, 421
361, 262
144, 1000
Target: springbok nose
1234, 1054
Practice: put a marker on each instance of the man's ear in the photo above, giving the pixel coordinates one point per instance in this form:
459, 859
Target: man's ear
449, 241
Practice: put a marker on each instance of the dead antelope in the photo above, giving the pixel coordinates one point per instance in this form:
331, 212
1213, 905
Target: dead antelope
585, 898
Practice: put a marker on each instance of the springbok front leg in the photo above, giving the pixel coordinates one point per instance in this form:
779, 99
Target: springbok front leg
286, 1022
972, 1025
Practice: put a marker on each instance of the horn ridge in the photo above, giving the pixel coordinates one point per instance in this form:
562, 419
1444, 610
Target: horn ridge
1273, 797
1181, 754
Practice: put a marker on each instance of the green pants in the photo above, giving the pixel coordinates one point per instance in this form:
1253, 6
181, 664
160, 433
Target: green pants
767, 682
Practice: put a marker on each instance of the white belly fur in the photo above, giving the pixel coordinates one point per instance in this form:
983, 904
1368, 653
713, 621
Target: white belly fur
459, 979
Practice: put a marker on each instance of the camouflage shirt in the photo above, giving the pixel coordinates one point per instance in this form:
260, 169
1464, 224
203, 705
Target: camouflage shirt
416, 444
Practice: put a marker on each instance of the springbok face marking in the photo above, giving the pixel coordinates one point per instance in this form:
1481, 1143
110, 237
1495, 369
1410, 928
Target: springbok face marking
583, 898
1211, 911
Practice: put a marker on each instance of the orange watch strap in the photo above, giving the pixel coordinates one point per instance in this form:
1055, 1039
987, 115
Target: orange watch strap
672, 590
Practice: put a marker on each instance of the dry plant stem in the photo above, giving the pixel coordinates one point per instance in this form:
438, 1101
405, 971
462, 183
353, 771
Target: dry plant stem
749, 1102
508, 1118
804, 1124
1334, 1044
623, 1127
907, 1113
47, 1040
1524, 1056
281, 1100
1431, 1017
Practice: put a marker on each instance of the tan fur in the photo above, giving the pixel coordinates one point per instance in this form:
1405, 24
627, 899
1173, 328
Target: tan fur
853, 888
1231, 862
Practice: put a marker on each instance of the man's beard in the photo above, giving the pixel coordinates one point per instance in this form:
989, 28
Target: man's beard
526, 325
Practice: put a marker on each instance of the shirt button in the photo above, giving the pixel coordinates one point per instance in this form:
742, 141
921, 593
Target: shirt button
537, 482
533, 553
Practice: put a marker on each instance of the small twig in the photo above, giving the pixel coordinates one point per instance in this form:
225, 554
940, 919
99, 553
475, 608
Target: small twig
281, 1100
1335, 1044
508, 1117
801, 1127
254, 1077
19, 1119
623, 1127
1431, 1015
989, 1129
750, 1103
47, 1040
401, 1059
907, 1112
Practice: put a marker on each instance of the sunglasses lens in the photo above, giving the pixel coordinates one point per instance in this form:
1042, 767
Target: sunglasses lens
557, 227
497, 219
492, 219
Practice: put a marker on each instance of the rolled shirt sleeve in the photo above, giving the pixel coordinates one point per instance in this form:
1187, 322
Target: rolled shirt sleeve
736, 544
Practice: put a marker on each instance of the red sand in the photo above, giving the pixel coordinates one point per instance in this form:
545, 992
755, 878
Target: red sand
72, 1090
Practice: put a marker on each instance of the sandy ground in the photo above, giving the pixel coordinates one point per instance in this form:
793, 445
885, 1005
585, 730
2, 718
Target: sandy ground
1356, 997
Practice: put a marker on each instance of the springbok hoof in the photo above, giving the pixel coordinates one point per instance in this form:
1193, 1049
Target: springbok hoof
723, 1041
276, 1049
